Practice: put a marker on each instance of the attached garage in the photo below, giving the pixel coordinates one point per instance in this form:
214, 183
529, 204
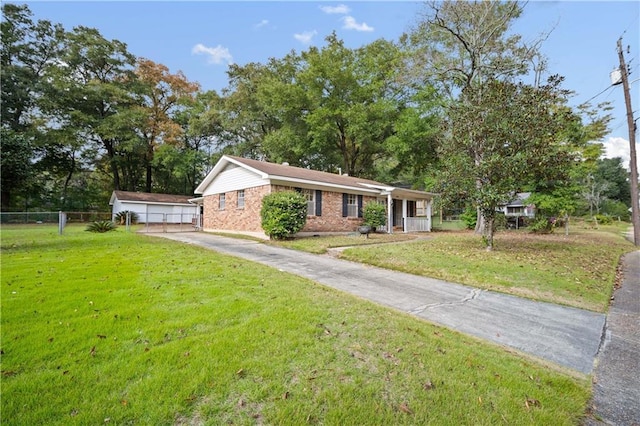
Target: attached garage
155, 208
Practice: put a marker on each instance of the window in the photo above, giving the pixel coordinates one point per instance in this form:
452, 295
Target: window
221, 202
309, 194
241, 199
515, 210
352, 205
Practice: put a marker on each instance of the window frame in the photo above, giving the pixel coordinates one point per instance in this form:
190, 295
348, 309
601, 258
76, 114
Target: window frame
239, 197
310, 196
352, 208
222, 201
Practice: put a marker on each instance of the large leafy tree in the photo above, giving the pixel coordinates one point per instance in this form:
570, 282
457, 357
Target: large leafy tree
351, 102
501, 135
508, 138
91, 96
463, 46
27, 50
163, 94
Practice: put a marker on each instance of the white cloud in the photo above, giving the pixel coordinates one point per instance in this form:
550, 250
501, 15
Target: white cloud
216, 55
305, 37
261, 24
340, 9
619, 147
351, 24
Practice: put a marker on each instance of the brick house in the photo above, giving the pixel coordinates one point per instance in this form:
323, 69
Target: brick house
231, 198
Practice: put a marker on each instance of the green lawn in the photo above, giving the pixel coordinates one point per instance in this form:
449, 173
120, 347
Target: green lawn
578, 270
123, 328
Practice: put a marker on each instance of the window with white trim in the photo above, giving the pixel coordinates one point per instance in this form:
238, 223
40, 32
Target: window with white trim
310, 196
241, 199
222, 201
352, 205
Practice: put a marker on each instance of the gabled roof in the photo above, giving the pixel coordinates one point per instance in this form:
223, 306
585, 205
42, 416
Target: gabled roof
299, 175
146, 197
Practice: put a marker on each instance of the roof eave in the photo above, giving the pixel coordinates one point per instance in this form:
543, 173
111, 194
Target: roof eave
323, 184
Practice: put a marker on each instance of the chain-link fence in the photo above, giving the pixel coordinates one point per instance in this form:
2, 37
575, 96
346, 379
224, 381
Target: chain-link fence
51, 217
170, 222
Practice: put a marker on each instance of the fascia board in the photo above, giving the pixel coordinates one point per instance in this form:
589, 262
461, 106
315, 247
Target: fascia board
278, 179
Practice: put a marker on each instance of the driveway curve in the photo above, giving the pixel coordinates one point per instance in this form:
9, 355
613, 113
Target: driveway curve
563, 335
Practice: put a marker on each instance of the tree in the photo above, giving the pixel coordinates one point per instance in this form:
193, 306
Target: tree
162, 94
351, 105
91, 96
463, 46
28, 50
611, 171
202, 129
506, 136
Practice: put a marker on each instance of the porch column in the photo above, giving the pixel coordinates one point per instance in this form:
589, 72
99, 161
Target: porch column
428, 213
389, 214
404, 215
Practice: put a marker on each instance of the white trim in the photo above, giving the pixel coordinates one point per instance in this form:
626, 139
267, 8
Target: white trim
162, 203
279, 180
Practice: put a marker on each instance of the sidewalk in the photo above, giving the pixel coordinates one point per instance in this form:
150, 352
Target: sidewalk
566, 336
616, 389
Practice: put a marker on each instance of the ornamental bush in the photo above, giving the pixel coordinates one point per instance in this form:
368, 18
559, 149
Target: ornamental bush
283, 214
374, 215
121, 217
101, 226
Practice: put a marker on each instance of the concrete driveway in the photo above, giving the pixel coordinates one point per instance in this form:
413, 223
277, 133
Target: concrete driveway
566, 336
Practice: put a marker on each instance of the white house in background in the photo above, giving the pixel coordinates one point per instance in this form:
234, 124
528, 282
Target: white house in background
518, 209
155, 208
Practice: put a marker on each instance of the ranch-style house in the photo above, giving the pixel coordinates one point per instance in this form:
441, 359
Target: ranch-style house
231, 198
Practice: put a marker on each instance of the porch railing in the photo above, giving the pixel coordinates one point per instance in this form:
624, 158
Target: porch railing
417, 224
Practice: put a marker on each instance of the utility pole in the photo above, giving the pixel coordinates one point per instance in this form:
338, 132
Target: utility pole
633, 164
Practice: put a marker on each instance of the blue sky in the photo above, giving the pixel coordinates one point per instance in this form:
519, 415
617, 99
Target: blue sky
201, 38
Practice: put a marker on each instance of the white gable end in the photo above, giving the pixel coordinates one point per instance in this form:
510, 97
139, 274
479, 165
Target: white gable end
233, 178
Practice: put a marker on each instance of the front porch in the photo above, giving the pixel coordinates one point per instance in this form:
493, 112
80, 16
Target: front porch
410, 211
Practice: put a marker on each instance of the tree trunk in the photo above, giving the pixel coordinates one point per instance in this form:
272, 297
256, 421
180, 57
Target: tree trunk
488, 232
480, 225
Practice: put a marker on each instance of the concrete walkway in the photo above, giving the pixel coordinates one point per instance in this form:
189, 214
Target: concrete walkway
566, 336
616, 388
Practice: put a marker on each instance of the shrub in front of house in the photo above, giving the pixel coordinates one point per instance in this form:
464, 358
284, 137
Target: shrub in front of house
283, 214
374, 215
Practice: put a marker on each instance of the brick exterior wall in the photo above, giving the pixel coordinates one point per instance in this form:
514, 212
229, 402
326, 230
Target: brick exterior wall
248, 218
233, 218
331, 219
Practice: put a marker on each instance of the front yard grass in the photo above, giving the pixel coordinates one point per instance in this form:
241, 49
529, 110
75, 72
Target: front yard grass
578, 270
121, 328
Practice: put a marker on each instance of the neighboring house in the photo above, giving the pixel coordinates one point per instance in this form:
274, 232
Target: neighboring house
518, 208
155, 208
232, 198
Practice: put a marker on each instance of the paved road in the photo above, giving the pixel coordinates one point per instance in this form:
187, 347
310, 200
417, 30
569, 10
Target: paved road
567, 336
616, 389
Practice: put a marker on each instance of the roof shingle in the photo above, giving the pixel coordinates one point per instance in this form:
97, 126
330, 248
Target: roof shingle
152, 198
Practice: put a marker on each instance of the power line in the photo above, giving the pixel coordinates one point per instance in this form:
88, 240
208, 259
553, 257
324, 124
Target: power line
595, 96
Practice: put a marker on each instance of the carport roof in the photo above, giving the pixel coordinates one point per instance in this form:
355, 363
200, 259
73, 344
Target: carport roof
147, 197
